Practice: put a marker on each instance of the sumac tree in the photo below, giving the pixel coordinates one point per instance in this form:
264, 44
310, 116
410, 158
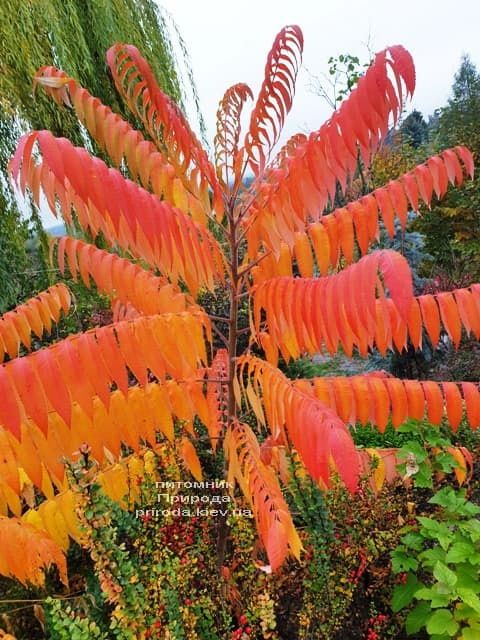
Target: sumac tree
178, 226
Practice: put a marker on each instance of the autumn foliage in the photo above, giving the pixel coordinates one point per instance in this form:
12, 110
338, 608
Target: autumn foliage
177, 226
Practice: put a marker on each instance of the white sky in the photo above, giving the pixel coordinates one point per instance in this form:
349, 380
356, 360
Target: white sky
228, 42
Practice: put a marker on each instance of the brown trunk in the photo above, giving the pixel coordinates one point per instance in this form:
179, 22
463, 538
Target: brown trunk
232, 354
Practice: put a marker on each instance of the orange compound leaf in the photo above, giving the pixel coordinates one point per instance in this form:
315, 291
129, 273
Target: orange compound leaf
127, 215
448, 312
320, 437
57, 516
373, 465
343, 399
309, 314
9, 472
398, 197
127, 419
431, 317
260, 486
399, 401
469, 311
190, 459
121, 142
469, 461
39, 553
217, 394
303, 255
321, 244
118, 277
376, 399
467, 158
425, 183
122, 311
386, 209
450, 316
162, 119
471, 396
275, 97
464, 468
34, 316
454, 405
439, 176
361, 217
88, 364
10, 414
330, 154
434, 401
288, 149
227, 158
382, 403
181, 405
345, 234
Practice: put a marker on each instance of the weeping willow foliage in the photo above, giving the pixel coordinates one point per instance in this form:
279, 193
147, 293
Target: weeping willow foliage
73, 35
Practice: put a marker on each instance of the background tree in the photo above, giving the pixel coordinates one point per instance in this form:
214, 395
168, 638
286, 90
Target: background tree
344, 71
414, 129
452, 229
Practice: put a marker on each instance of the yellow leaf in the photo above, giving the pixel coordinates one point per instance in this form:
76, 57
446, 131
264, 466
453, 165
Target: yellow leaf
190, 458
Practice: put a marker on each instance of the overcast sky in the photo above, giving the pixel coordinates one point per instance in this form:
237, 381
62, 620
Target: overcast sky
228, 42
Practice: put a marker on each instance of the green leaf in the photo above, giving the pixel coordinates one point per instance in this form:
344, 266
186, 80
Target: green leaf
413, 540
459, 552
436, 531
470, 634
412, 447
464, 612
423, 477
470, 597
431, 556
443, 574
436, 599
417, 618
472, 527
403, 593
454, 502
410, 426
448, 498
401, 561
471, 509
445, 461
442, 622
467, 577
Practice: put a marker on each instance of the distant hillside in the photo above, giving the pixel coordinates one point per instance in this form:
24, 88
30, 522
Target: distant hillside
57, 230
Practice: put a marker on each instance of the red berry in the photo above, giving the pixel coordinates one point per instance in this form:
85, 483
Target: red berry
187, 601
243, 620
248, 630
